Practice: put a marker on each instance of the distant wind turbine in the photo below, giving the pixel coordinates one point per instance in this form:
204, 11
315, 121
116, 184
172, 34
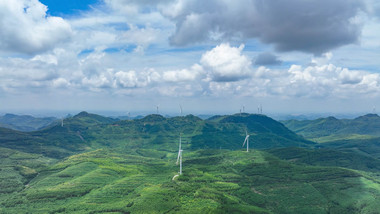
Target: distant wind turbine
157, 109
246, 140
62, 122
180, 109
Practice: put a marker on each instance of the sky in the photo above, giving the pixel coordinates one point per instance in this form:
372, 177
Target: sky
215, 56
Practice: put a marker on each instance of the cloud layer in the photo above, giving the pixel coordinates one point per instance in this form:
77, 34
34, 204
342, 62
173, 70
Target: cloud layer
222, 71
172, 49
314, 26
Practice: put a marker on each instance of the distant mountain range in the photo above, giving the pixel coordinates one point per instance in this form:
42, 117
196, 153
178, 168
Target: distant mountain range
331, 128
25, 123
86, 131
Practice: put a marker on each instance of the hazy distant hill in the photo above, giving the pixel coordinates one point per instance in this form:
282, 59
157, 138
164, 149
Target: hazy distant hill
25, 123
334, 128
86, 131
55, 140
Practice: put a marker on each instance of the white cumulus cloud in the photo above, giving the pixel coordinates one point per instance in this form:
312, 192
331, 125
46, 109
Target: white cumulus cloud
183, 75
26, 28
226, 63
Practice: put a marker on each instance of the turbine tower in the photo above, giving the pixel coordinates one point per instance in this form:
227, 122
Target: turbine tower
62, 122
179, 158
157, 109
246, 140
180, 109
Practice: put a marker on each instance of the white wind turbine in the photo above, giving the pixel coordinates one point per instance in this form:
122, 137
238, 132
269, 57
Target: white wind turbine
179, 158
246, 140
180, 107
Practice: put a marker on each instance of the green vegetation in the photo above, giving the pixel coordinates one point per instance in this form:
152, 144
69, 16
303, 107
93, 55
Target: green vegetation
329, 157
369, 147
25, 123
330, 128
359, 136
215, 181
95, 164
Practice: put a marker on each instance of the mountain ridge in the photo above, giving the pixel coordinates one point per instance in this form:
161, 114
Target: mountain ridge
25, 123
368, 124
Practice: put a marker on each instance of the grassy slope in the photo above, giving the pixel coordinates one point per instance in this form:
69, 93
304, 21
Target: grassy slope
17, 169
329, 157
369, 147
214, 181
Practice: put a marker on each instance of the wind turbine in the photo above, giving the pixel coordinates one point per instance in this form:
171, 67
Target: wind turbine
157, 108
179, 158
180, 107
62, 122
246, 140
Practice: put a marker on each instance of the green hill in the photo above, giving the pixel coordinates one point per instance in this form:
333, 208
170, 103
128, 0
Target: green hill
55, 141
25, 123
18, 168
369, 147
159, 133
330, 128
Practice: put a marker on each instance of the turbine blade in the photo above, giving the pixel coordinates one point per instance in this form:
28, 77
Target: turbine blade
246, 139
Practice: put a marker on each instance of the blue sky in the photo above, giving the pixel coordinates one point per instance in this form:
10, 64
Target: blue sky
68, 7
290, 56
